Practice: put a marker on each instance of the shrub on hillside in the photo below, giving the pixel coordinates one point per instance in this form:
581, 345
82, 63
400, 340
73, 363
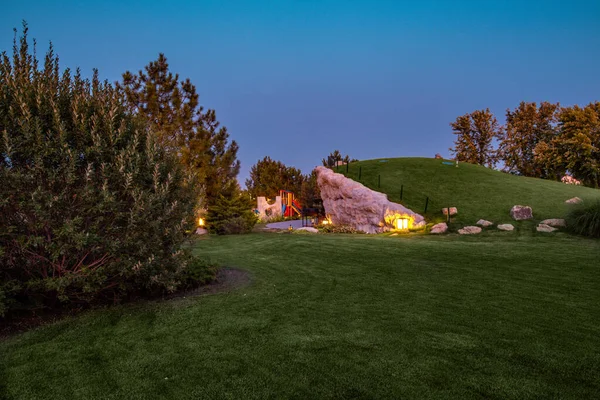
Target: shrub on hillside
90, 207
231, 215
584, 218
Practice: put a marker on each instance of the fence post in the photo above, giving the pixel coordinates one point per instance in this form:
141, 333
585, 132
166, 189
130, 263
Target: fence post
378, 181
348, 163
426, 204
401, 191
359, 172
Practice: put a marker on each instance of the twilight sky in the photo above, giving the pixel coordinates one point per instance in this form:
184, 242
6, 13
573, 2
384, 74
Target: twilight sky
297, 79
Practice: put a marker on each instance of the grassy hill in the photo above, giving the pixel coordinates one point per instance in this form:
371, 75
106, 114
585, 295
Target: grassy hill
476, 191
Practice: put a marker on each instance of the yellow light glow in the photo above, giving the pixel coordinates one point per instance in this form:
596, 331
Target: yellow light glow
402, 223
200, 221
325, 222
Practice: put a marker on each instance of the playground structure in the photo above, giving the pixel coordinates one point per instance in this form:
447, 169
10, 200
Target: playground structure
285, 205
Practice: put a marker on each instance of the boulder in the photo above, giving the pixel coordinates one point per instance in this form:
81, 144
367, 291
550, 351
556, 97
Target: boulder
201, 231
555, 222
484, 223
545, 228
506, 227
308, 229
439, 228
347, 202
453, 211
520, 213
574, 200
469, 230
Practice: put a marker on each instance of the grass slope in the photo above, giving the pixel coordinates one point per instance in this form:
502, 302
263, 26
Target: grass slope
339, 316
478, 192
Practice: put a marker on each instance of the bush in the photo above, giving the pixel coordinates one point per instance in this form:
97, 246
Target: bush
338, 229
231, 215
584, 218
91, 208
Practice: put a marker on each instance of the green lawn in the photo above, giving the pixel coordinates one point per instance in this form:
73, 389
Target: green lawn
499, 315
478, 192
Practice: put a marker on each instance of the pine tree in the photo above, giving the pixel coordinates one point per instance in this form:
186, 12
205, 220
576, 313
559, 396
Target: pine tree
334, 158
183, 126
268, 177
475, 134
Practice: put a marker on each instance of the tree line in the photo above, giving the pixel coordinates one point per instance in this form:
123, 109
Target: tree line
268, 177
541, 141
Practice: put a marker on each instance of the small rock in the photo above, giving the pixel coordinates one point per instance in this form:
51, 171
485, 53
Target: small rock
201, 231
469, 230
394, 234
308, 229
574, 200
545, 228
442, 227
483, 222
506, 227
453, 211
520, 213
555, 222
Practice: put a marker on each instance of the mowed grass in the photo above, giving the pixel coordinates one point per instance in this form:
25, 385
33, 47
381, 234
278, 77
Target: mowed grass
499, 315
476, 191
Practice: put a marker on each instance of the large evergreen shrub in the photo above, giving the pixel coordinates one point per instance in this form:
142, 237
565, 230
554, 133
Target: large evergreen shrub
91, 207
231, 215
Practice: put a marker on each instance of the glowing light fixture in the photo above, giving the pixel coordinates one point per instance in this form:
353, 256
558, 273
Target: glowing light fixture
325, 222
201, 222
401, 223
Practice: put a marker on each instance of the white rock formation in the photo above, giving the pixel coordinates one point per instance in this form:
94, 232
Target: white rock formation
308, 229
201, 231
347, 202
506, 227
545, 228
574, 200
483, 222
555, 222
453, 211
520, 213
442, 227
469, 230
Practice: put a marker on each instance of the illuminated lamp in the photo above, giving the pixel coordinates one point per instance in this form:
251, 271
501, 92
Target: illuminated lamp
201, 222
401, 223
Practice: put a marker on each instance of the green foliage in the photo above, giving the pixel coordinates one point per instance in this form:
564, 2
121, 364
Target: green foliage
310, 194
268, 177
172, 109
577, 148
336, 157
338, 229
584, 219
475, 134
91, 207
529, 129
231, 215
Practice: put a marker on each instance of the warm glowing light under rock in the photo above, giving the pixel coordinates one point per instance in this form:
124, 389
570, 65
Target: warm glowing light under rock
402, 223
325, 222
200, 221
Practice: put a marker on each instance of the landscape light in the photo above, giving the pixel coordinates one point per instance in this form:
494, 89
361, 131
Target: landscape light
200, 221
402, 223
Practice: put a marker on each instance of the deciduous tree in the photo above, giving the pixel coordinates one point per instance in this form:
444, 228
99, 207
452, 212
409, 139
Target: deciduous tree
527, 127
475, 134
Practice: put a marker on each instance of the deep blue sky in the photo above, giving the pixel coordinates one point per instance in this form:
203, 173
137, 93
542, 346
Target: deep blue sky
297, 79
